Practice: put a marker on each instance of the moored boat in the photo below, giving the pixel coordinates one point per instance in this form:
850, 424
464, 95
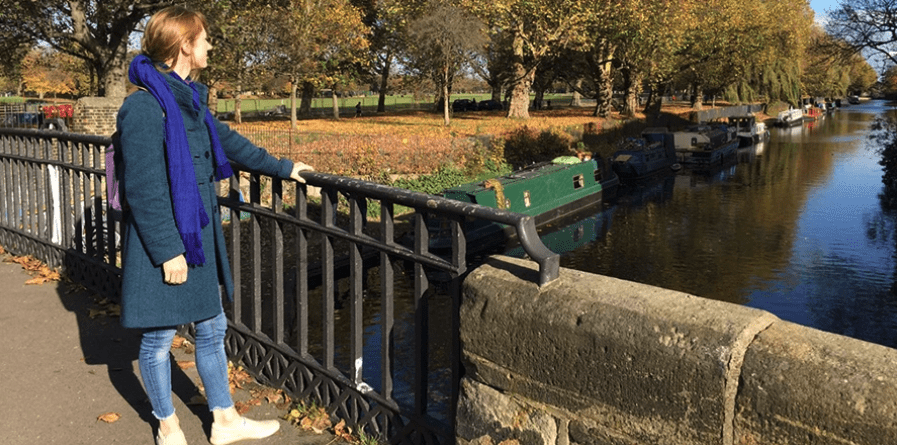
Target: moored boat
812, 113
644, 156
748, 130
545, 191
705, 143
790, 117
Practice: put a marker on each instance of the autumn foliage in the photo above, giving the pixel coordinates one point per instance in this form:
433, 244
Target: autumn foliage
412, 144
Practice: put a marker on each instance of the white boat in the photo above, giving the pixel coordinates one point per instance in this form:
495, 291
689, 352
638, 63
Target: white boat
748, 130
705, 143
790, 117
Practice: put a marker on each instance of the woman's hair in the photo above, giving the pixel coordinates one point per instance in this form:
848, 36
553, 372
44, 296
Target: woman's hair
170, 28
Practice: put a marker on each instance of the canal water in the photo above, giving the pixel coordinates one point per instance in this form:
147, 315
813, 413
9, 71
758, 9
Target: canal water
793, 226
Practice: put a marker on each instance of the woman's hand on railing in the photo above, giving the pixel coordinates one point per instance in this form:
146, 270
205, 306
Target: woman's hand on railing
300, 167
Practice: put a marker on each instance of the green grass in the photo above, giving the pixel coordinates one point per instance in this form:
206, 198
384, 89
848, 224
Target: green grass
12, 100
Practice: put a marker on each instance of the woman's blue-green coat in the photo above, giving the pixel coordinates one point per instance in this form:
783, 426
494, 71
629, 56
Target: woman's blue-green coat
150, 236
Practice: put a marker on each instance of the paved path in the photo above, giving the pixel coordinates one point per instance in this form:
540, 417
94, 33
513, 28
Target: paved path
60, 370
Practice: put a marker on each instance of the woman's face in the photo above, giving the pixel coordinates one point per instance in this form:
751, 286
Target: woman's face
199, 51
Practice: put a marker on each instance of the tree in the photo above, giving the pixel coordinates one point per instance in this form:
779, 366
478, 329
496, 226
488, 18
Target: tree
866, 25
97, 31
240, 36
316, 43
441, 43
534, 28
44, 71
387, 21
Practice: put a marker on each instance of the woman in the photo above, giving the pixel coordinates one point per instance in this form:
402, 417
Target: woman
172, 152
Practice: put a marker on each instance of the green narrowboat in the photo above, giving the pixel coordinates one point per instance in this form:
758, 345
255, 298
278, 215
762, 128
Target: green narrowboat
545, 191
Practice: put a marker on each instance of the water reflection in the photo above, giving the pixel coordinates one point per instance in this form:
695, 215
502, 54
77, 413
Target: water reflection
792, 226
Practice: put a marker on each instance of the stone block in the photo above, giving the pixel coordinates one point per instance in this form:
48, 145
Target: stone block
804, 386
646, 364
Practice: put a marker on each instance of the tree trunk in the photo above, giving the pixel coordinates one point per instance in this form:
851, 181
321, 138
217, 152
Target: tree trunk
335, 103
519, 107
308, 91
112, 76
654, 104
384, 83
445, 104
576, 101
213, 100
633, 88
495, 85
697, 100
293, 88
604, 82
238, 105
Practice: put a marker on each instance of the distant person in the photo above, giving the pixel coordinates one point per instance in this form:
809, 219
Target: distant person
548, 105
175, 269
358, 109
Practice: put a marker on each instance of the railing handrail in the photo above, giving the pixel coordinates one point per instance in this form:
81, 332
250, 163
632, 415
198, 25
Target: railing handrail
51, 187
525, 226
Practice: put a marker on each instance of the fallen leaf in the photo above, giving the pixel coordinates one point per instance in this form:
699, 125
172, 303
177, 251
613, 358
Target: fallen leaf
271, 395
109, 417
114, 310
197, 400
37, 280
94, 313
178, 342
186, 364
341, 430
242, 408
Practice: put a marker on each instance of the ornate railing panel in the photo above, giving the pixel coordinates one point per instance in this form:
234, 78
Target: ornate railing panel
359, 316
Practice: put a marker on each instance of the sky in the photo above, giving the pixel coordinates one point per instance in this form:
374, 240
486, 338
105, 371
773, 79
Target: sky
819, 6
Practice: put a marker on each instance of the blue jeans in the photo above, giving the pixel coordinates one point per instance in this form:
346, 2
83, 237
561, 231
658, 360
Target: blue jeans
211, 362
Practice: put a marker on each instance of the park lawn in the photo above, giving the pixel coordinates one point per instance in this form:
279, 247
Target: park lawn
402, 143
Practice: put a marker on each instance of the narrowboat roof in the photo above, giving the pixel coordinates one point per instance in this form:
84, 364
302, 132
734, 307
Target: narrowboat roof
535, 189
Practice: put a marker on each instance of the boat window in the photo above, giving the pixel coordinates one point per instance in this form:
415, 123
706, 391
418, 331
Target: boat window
578, 182
598, 175
526, 200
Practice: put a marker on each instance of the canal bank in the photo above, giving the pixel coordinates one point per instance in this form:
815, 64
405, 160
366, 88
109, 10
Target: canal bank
793, 226
593, 359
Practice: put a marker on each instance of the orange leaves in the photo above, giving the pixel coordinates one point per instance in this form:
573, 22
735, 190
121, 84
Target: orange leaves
409, 143
237, 377
109, 417
340, 430
38, 270
310, 418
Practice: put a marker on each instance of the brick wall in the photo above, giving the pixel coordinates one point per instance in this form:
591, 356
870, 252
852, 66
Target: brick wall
95, 115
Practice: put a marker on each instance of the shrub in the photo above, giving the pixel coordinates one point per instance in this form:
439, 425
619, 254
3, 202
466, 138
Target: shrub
525, 146
445, 177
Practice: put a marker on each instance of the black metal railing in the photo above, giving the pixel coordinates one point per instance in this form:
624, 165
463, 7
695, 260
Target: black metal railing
360, 317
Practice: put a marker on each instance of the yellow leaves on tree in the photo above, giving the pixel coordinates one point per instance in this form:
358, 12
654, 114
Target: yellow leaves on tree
45, 72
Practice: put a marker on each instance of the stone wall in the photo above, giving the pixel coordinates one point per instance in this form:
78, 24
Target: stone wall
95, 115
589, 359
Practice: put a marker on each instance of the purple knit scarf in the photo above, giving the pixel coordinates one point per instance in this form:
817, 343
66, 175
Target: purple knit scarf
189, 214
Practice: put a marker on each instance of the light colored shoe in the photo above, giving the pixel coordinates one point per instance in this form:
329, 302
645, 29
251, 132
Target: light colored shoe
175, 438
243, 429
